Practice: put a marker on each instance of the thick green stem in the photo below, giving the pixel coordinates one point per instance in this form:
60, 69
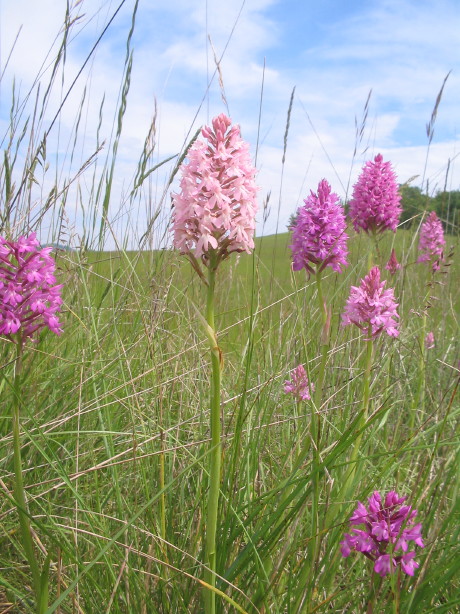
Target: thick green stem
370, 260
376, 583
397, 593
419, 399
19, 495
319, 384
308, 574
215, 453
365, 410
378, 255
315, 417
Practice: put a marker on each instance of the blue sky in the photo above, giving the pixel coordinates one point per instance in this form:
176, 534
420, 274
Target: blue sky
334, 52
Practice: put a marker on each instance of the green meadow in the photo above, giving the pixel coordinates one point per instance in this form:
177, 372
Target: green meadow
115, 436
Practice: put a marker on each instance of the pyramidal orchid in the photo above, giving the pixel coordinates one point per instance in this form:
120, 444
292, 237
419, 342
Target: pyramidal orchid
431, 242
385, 531
371, 307
213, 216
429, 341
30, 300
298, 385
319, 239
375, 204
393, 265
29, 296
431, 248
214, 212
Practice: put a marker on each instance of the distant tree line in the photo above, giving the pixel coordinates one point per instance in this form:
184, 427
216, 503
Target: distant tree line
414, 202
446, 205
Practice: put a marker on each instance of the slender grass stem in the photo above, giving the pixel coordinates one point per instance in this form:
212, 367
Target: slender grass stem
162, 488
215, 452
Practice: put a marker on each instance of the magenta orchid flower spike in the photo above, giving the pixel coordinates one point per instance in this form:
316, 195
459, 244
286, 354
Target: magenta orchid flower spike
214, 213
393, 264
298, 385
375, 204
318, 235
429, 341
386, 530
431, 243
372, 307
29, 296
29, 302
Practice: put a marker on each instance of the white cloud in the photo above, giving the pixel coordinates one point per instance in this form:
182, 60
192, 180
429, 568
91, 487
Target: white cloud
402, 50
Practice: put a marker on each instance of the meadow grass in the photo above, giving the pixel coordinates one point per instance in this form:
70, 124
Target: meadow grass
115, 427
126, 386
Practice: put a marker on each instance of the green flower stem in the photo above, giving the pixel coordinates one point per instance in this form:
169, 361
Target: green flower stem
308, 574
370, 260
378, 255
316, 420
376, 584
397, 593
215, 452
365, 410
324, 343
18, 490
419, 399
